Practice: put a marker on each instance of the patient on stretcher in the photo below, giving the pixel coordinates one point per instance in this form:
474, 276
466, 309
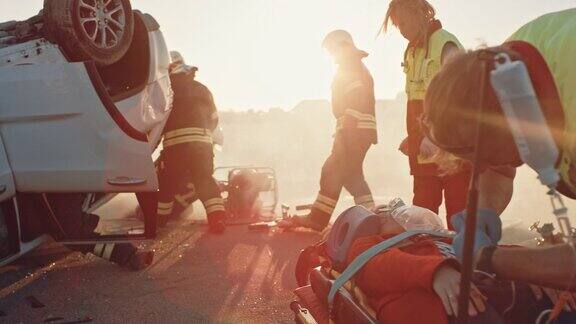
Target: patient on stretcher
416, 277
417, 280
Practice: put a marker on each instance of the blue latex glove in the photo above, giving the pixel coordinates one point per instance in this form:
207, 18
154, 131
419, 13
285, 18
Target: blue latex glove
488, 230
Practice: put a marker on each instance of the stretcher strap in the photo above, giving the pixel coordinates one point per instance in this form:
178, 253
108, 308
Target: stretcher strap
363, 258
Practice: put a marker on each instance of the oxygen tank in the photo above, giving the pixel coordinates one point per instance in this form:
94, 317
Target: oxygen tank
537, 148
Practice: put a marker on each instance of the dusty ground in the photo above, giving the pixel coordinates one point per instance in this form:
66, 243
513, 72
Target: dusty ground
239, 277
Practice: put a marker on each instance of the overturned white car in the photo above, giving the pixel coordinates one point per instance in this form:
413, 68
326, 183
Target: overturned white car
84, 95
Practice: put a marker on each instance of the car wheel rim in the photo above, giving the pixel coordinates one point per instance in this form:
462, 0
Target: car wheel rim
102, 21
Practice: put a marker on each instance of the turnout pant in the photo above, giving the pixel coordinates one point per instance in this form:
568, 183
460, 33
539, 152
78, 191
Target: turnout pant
429, 191
343, 168
185, 175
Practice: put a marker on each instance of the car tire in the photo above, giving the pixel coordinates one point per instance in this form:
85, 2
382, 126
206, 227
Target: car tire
90, 30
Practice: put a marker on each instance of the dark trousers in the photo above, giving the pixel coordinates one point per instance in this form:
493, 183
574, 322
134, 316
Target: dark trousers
61, 216
185, 175
429, 191
342, 169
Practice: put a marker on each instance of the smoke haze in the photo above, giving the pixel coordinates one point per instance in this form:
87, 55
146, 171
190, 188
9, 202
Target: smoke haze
295, 143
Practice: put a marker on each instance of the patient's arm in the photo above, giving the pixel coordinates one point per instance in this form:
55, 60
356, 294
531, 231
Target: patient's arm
496, 187
551, 266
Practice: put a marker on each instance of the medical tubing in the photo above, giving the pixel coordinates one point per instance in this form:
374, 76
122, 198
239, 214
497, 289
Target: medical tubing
471, 214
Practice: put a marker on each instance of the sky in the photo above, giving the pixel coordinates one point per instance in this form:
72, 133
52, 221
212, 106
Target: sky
259, 54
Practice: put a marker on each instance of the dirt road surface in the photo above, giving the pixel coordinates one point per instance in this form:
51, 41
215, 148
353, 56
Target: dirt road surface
238, 277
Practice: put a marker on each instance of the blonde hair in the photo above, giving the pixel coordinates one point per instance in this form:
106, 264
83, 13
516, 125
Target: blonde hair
422, 10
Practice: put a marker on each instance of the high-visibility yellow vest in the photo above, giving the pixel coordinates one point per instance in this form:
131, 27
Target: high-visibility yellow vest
554, 35
422, 63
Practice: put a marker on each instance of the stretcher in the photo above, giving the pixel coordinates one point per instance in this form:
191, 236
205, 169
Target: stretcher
328, 296
350, 303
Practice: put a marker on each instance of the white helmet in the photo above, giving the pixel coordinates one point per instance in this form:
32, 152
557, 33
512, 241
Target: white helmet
337, 38
178, 65
176, 57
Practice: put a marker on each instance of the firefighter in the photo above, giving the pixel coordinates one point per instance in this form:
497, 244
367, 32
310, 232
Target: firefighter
428, 48
187, 159
353, 107
61, 216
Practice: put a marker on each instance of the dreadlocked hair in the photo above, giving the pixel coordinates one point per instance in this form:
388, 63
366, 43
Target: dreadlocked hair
422, 9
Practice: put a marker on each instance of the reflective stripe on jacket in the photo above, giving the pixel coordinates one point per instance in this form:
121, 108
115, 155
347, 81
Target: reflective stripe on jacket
353, 102
193, 115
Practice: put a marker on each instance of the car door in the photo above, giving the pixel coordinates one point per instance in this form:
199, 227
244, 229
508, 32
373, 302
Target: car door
63, 133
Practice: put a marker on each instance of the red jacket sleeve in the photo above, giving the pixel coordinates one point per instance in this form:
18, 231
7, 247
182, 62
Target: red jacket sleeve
395, 270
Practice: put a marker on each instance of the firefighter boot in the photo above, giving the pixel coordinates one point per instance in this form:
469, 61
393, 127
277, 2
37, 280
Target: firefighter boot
217, 222
322, 211
141, 260
366, 201
317, 219
164, 212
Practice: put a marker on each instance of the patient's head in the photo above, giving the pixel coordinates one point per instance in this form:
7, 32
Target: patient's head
409, 218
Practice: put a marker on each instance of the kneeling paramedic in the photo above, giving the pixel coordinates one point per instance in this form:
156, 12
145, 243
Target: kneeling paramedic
187, 159
536, 62
353, 106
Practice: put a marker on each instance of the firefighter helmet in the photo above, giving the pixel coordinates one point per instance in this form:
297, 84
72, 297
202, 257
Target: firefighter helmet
336, 39
176, 58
